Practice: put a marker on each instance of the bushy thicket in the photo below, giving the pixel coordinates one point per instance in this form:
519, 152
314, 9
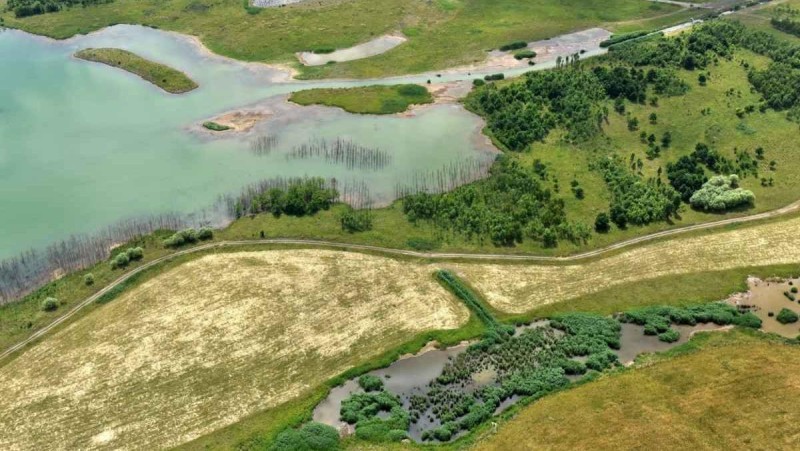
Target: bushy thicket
370, 382
300, 197
362, 409
510, 205
49, 304
124, 258
619, 38
521, 113
786, 24
189, 236
635, 200
658, 319
311, 437
721, 193
353, 220
779, 83
25, 8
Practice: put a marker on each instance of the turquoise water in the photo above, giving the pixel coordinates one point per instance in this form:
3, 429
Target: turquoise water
83, 145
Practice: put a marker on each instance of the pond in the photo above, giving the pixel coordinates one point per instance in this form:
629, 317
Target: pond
766, 298
412, 375
84, 145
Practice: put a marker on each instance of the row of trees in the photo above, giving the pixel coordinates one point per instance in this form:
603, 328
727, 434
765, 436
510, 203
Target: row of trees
293, 197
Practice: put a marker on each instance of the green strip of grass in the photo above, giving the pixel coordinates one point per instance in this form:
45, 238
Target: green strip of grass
367, 99
165, 77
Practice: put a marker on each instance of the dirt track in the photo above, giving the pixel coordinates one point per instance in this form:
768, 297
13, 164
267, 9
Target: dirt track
793, 207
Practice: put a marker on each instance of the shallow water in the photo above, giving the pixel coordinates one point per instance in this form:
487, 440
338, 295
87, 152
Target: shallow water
411, 374
84, 145
765, 297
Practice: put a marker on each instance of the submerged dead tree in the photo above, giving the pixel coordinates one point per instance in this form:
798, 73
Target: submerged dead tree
444, 179
26, 272
264, 144
342, 151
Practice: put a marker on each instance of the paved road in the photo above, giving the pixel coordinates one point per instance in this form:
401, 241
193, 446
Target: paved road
428, 255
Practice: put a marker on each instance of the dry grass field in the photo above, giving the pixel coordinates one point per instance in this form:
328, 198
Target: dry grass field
734, 391
515, 288
205, 344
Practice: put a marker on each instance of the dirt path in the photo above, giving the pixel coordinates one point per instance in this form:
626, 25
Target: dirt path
793, 207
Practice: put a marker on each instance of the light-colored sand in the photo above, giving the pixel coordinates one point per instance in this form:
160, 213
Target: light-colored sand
381, 44
211, 341
241, 120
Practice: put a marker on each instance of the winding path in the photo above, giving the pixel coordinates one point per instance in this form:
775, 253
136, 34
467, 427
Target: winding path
793, 207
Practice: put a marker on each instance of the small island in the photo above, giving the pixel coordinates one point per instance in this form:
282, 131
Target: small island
366, 99
165, 77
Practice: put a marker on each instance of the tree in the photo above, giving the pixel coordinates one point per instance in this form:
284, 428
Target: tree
653, 118
88, 279
602, 224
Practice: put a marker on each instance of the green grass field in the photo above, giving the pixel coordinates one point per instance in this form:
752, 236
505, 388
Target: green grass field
734, 390
366, 100
441, 33
165, 77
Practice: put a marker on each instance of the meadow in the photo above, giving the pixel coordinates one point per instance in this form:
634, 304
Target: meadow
442, 33
212, 341
722, 390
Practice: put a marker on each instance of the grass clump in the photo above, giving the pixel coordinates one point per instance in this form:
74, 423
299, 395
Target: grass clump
367, 99
513, 46
370, 383
165, 77
188, 236
213, 126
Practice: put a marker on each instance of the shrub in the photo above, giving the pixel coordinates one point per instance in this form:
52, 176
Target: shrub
602, 223
88, 279
49, 304
135, 253
573, 367
311, 437
186, 236
494, 77
324, 50
478, 82
120, 261
356, 220
412, 90
525, 54
205, 233
513, 46
786, 316
670, 336
721, 193
748, 320
370, 382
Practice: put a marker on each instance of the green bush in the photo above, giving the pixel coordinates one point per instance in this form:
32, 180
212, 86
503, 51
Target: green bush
494, 77
49, 304
786, 316
356, 220
205, 233
120, 261
721, 193
324, 50
670, 336
370, 382
412, 90
513, 46
748, 320
478, 82
311, 437
525, 54
88, 279
186, 236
